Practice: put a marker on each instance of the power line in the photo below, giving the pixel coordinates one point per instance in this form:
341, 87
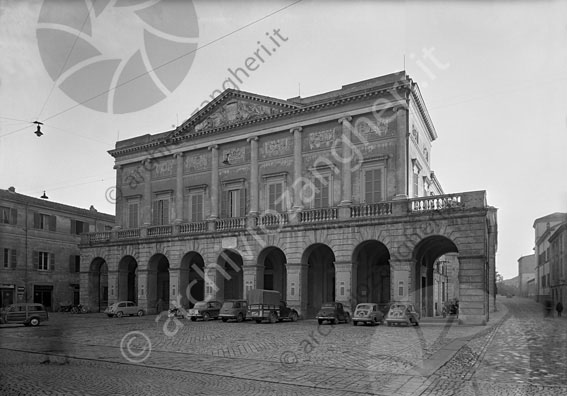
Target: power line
177, 58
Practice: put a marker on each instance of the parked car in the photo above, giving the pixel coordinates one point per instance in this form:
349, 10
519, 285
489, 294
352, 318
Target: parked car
205, 310
234, 309
402, 313
367, 313
28, 314
121, 308
333, 312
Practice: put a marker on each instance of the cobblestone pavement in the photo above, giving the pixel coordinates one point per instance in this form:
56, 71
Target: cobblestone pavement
517, 353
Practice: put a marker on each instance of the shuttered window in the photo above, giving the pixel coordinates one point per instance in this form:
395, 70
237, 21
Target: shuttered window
161, 211
196, 206
44, 222
133, 214
74, 263
44, 260
373, 185
10, 258
8, 215
275, 196
321, 197
78, 227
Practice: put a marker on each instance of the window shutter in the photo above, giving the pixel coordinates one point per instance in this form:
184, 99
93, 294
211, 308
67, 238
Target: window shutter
224, 204
36, 258
242, 202
52, 223
165, 218
155, 212
73, 227
13, 216
72, 263
36, 220
13, 257
85, 227
52, 261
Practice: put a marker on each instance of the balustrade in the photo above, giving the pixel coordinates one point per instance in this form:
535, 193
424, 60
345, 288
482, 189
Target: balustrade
370, 210
272, 219
127, 234
231, 223
193, 228
436, 202
160, 230
318, 215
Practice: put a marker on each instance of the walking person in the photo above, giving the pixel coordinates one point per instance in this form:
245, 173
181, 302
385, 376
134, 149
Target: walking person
559, 309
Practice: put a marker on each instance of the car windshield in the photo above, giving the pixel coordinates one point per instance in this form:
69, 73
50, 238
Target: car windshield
328, 305
398, 306
229, 304
364, 306
201, 304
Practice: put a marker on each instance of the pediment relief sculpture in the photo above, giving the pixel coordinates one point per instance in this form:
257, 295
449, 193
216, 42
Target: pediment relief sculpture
234, 112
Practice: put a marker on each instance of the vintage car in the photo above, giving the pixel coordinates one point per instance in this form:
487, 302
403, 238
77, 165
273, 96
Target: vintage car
333, 312
28, 314
205, 310
234, 309
122, 308
401, 312
367, 313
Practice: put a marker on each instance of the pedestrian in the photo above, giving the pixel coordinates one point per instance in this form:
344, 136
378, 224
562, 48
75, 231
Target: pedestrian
559, 309
159, 306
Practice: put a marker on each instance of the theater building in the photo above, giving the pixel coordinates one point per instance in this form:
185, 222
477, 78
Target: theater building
328, 197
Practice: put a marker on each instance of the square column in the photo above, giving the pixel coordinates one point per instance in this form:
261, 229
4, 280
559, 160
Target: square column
253, 277
344, 287
402, 287
143, 300
473, 294
297, 287
112, 287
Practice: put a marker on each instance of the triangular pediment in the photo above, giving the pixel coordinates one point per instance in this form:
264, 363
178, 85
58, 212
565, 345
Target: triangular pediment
233, 108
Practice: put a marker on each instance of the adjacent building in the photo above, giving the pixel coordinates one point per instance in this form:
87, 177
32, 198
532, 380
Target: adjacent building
558, 264
526, 272
544, 227
328, 197
39, 240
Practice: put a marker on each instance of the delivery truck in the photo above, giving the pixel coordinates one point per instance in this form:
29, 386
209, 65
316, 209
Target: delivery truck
268, 305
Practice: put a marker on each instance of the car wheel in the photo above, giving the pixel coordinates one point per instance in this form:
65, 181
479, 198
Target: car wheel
294, 316
320, 321
119, 314
140, 313
258, 321
240, 318
375, 322
206, 316
347, 318
193, 319
224, 319
110, 315
34, 321
354, 322
389, 324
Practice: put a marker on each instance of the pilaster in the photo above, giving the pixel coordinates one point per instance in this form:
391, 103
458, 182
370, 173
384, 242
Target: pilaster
214, 181
346, 159
147, 205
119, 201
297, 167
297, 293
178, 216
254, 192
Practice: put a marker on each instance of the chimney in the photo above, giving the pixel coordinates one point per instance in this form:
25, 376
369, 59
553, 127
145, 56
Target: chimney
12, 189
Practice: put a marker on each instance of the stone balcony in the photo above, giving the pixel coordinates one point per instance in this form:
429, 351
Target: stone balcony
296, 218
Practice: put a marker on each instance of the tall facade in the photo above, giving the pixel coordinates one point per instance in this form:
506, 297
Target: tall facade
329, 197
544, 228
39, 240
526, 272
558, 264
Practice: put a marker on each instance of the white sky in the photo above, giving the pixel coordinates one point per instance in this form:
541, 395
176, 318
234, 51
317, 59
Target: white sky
495, 88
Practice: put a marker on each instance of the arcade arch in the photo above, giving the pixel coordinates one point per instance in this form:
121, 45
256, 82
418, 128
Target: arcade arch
320, 274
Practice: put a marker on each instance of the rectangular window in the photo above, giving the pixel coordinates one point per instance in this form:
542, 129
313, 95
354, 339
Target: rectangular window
275, 196
74, 263
78, 227
8, 215
44, 222
415, 185
373, 185
133, 214
43, 261
6, 258
10, 258
161, 211
196, 206
401, 288
321, 196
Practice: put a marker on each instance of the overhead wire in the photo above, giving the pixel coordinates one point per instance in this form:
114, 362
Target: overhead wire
177, 58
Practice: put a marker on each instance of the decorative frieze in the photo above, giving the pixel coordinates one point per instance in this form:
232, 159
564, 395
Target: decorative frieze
196, 162
322, 139
276, 148
163, 169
